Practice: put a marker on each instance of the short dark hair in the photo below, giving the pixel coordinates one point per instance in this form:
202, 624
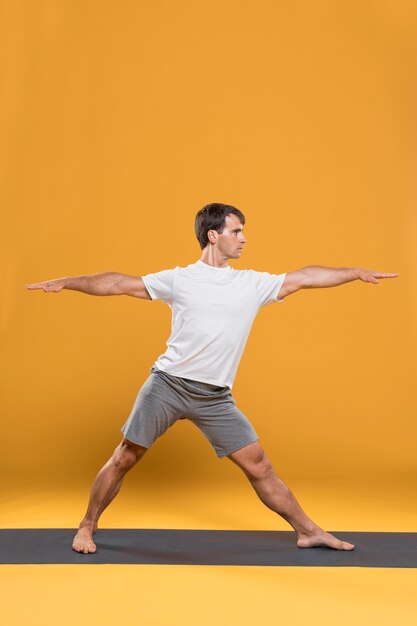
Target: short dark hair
213, 217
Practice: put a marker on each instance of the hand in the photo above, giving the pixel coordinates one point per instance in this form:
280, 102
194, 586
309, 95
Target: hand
49, 285
370, 276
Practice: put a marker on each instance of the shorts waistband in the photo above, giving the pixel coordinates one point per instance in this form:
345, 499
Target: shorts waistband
197, 383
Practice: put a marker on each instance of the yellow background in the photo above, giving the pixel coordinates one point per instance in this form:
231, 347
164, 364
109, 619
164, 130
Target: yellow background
118, 122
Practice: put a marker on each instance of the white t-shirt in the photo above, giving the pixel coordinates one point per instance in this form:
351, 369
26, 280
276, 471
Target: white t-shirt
213, 309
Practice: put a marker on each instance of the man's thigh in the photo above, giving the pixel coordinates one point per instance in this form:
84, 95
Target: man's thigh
225, 426
157, 407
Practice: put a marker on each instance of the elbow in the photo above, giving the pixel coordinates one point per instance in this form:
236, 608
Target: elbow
306, 279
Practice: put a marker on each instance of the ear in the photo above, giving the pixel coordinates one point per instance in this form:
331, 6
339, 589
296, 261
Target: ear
212, 236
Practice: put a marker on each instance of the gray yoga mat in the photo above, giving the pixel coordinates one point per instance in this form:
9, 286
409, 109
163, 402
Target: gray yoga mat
206, 547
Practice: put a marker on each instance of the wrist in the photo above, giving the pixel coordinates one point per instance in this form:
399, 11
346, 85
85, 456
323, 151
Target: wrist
68, 282
355, 272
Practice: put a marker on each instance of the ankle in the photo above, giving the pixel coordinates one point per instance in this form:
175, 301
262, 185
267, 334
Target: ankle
89, 524
309, 528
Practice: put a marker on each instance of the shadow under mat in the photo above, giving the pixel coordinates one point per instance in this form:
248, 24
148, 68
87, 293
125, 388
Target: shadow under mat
206, 547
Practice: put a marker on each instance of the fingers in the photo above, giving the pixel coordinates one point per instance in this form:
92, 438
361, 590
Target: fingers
37, 286
375, 275
371, 276
46, 286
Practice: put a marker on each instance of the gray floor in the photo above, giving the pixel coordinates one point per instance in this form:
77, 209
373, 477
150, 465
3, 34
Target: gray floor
206, 547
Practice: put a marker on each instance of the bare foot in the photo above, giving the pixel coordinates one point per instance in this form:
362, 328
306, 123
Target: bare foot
319, 537
83, 540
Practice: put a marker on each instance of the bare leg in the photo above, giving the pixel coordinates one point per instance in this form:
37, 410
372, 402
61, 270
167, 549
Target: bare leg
105, 488
275, 494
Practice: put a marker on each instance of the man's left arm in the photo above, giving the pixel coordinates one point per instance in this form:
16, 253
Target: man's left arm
315, 276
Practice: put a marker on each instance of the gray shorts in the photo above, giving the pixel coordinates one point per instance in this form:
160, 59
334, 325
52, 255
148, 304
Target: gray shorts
163, 399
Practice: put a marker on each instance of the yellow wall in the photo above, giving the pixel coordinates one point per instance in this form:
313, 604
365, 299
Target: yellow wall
119, 120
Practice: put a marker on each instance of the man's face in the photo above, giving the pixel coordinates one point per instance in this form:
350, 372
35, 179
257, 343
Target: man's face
231, 241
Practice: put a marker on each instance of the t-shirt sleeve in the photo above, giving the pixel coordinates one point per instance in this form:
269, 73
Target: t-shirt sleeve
268, 287
160, 285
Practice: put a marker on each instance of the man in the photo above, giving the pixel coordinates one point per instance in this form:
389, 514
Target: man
213, 308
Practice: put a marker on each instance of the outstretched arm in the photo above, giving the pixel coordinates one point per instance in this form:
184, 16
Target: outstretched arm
102, 284
320, 276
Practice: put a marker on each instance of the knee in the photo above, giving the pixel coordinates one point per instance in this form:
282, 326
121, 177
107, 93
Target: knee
253, 461
126, 455
259, 467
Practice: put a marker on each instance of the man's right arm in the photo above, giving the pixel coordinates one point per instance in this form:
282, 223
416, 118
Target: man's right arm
102, 284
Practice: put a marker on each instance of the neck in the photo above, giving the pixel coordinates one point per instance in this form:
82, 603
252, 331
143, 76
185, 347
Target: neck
213, 258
